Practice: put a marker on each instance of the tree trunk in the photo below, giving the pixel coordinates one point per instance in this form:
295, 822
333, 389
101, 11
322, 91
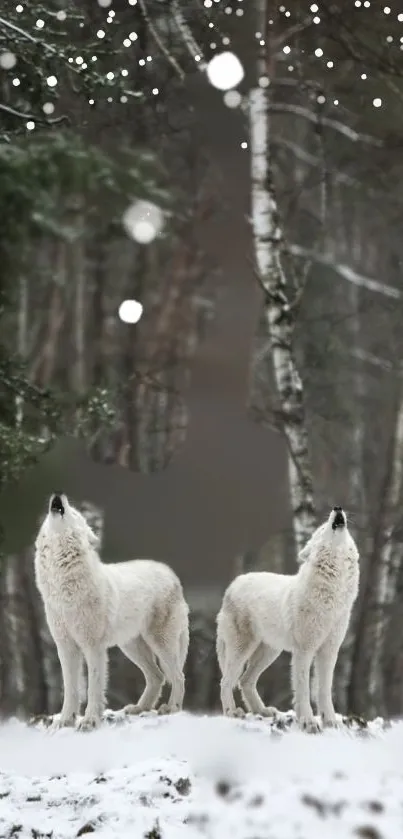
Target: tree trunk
99, 337
22, 337
278, 308
79, 320
11, 680
134, 397
37, 689
357, 498
45, 357
368, 683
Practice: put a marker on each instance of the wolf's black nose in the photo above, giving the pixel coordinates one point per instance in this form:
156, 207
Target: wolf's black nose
337, 509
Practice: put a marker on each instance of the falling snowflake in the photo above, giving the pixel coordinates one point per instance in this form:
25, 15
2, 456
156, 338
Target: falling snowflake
143, 221
7, 60
232, 98
225, 71
130, 311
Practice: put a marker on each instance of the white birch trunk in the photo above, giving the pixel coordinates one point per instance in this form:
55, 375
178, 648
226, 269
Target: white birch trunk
387, 572
192, 46
267, 236
279, 313
22, 339
13, 621
357, 499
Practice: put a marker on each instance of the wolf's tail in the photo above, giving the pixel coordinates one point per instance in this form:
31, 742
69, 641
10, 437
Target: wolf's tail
223, 632
183, 646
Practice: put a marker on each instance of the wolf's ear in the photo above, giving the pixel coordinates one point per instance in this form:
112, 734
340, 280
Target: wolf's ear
93, 539
303, 555
85, 528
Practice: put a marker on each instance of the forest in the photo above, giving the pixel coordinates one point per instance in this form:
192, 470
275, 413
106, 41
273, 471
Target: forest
96, 120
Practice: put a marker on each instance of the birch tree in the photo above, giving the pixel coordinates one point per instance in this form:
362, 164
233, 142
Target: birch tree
280, 298
368, 688
280, 301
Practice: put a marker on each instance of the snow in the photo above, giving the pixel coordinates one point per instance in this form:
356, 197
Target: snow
225, 71
232, 98
7, 60
143, 221
130, 311
187, 776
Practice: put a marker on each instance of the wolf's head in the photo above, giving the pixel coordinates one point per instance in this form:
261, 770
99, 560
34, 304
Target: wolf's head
335, 530
60, 517
63, 519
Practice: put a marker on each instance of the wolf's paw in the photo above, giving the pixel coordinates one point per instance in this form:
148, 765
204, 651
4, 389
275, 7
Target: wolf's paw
41, 719
331, 721
166, 708
88, 723
133, 710
238, 713
63, 722
268, 711
309, 725
234, 712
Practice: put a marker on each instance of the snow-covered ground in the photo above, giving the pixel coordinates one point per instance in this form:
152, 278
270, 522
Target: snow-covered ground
188, 776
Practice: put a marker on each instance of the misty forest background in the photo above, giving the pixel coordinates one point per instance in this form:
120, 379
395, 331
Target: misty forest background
321, 107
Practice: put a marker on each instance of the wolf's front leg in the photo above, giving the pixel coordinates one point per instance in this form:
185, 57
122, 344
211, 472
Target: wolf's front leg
96, 658
300, 670
70, 658
326, 659
325, 663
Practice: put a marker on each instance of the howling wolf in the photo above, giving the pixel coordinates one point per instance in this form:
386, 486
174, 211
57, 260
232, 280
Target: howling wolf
137, 606
306, 614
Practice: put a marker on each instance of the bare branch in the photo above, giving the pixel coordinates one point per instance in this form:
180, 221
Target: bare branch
341, 33
193, 47
21, 115
313, 160
376, 361
300, 26
170, 58
341, 127
347, 273
27, 35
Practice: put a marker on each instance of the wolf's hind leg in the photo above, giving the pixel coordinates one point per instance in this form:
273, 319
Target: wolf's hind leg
261, 659
140, 653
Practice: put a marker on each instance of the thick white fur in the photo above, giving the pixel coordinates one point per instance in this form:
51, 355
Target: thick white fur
137, 606
306, 614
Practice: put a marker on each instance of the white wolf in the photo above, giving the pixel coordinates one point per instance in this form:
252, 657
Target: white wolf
306, 614
137, 606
